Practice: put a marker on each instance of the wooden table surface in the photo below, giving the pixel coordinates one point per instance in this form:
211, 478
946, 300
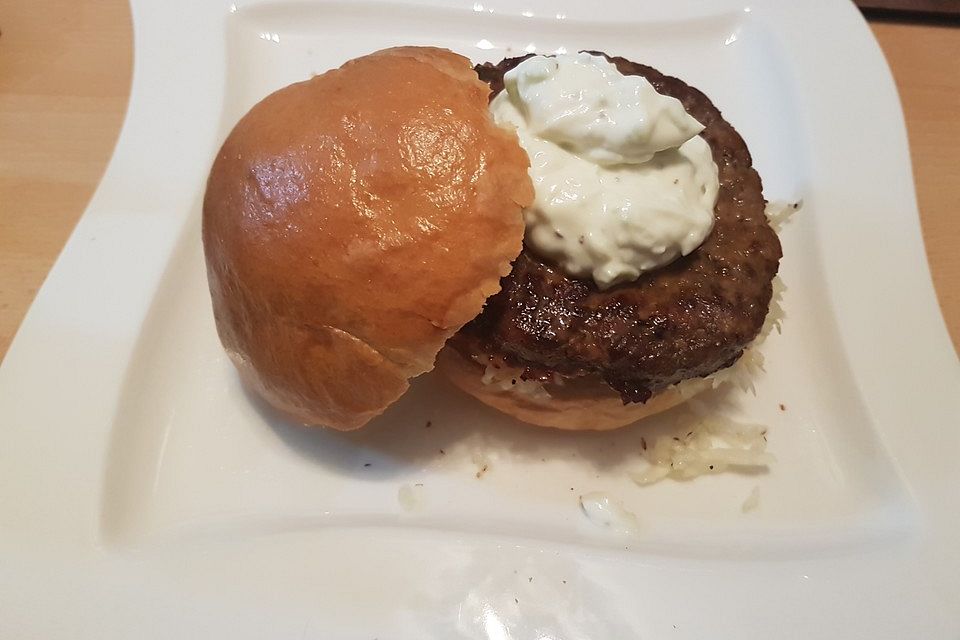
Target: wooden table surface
65, 68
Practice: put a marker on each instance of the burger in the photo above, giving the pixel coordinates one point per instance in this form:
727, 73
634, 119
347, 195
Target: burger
578, 241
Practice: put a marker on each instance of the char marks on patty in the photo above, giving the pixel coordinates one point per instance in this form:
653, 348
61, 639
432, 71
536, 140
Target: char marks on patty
686, 320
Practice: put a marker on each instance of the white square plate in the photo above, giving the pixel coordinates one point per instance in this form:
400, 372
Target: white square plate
144, 494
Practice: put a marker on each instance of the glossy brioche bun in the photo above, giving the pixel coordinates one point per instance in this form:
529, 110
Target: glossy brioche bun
579, 405
355, 221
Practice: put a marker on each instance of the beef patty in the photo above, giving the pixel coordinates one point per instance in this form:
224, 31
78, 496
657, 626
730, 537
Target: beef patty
685, 320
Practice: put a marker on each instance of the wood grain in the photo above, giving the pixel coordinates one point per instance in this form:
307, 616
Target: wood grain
924, 61
65, 70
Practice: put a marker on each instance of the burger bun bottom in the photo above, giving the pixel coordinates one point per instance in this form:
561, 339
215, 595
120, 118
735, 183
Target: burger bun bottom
580, 405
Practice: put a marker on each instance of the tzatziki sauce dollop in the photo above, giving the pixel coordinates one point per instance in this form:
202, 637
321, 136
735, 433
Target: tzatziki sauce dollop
623, 182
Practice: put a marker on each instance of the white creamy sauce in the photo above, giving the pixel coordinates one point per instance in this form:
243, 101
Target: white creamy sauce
608, 514
623, 182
